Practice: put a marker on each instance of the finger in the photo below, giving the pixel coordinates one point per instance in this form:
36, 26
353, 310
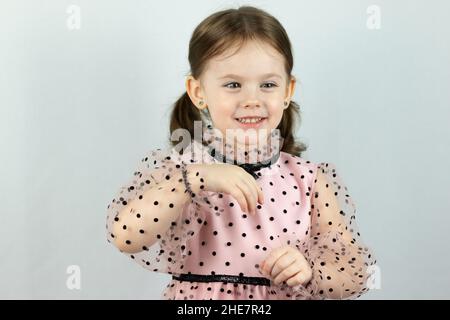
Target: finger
303, 277
246, 189
287, 273
268, 263
246, 193
258, 189
260, 195
282, 263
253, 192
237, 193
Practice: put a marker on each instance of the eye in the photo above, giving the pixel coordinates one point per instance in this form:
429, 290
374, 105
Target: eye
270, 85
227, 85
273, 85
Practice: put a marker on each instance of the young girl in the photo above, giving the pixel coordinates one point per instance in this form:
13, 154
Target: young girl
249, 219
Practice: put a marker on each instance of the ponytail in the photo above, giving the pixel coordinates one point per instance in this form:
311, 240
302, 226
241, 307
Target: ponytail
183, 115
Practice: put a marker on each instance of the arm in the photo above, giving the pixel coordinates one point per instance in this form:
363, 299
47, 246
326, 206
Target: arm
156, 234
337, 254
149, 215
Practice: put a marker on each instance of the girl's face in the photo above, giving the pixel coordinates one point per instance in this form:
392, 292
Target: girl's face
250, 83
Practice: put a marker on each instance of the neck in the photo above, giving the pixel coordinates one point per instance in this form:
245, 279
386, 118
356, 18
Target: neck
265, 152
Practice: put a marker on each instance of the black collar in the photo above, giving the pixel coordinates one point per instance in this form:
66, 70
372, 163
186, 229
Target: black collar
251, 168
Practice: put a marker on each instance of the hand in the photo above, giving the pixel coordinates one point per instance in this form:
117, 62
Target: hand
234, 180
287, 264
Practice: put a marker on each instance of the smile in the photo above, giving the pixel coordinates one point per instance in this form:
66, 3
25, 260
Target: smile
250, 122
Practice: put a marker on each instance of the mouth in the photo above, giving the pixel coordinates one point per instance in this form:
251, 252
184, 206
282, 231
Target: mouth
250, 122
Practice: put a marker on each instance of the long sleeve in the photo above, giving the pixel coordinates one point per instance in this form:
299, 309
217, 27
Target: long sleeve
160, 171
335, 250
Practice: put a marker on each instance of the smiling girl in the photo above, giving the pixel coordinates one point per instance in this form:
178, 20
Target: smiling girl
237, 213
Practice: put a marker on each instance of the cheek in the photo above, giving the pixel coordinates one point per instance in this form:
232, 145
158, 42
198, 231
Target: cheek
222, 100
276, 113
222, 96
222, 115
275, 108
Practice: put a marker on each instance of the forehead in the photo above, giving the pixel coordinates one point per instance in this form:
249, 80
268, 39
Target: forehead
252, 59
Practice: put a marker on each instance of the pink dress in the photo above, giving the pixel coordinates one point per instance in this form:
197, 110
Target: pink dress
214, 237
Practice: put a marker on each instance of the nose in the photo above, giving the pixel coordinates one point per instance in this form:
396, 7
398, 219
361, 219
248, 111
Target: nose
251, 97
252, 104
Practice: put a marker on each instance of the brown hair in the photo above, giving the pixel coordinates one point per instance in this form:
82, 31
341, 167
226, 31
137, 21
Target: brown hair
217, 33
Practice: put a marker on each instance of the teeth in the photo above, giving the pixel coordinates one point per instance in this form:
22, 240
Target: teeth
249, 120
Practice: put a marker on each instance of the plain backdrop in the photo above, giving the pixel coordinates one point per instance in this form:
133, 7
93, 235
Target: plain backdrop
79, 107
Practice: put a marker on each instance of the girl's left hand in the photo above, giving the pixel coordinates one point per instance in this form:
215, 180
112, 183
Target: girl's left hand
288, 264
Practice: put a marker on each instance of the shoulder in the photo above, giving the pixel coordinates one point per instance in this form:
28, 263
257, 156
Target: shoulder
303, 170
298, 163
307, 169
318, 168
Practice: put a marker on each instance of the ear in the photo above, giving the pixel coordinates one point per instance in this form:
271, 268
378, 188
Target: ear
195, 92
290, 90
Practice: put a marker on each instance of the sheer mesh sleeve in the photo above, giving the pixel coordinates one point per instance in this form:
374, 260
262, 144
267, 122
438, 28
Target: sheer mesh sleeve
166, 254
335, 250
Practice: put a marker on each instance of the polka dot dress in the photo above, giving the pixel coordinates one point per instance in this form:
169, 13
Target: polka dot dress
307, 206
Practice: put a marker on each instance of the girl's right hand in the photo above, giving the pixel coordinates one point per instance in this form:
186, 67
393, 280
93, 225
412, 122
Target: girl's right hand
234, 180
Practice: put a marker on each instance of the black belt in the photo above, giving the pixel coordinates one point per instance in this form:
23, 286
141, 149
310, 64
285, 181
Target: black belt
222, 278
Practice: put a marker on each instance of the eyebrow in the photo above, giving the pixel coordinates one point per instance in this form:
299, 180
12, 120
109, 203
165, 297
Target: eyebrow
267, 75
